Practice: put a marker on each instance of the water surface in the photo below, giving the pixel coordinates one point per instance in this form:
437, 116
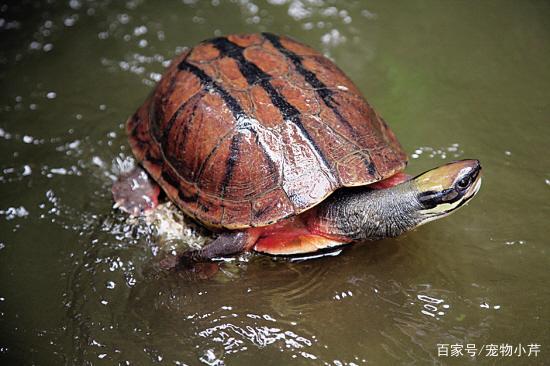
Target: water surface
80, 284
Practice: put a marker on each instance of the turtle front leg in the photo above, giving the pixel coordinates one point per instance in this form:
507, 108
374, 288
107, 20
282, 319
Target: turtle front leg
227, 244
135, 192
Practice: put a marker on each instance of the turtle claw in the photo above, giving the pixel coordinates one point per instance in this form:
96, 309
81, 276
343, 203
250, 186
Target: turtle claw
135, 193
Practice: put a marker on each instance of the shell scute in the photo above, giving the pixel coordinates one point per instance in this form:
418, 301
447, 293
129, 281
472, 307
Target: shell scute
273, 201
268, 61
236, 212
246, 40
328, 74
264, 110
203, 53
304, 100
230, 75
196, 134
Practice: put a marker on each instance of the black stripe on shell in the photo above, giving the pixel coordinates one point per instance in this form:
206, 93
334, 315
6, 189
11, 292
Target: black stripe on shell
166, 133
207, 82
242, 122
168, 178
254, 75
320, 88
230, 163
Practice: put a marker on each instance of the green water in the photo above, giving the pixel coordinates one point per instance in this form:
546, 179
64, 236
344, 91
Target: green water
79, 282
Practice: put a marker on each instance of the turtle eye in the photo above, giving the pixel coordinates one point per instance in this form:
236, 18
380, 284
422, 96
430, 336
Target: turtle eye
464, 182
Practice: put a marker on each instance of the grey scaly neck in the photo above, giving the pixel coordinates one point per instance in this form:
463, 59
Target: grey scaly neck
362, 213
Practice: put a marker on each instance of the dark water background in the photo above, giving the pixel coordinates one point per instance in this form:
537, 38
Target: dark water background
78, 281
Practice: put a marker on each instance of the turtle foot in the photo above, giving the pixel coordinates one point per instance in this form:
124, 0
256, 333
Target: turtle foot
135, 192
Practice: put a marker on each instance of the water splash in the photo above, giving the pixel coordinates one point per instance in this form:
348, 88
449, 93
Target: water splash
453, 151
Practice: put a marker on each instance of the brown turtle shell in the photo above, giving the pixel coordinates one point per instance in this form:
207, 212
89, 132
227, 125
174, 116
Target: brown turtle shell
246, 130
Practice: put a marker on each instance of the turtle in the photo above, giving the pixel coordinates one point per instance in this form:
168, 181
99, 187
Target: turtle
266, 141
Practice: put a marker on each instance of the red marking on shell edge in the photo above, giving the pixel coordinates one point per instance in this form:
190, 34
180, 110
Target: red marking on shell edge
292, 237
391, 181
291, 243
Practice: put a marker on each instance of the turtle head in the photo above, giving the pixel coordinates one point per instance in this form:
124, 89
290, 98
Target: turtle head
446, 188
